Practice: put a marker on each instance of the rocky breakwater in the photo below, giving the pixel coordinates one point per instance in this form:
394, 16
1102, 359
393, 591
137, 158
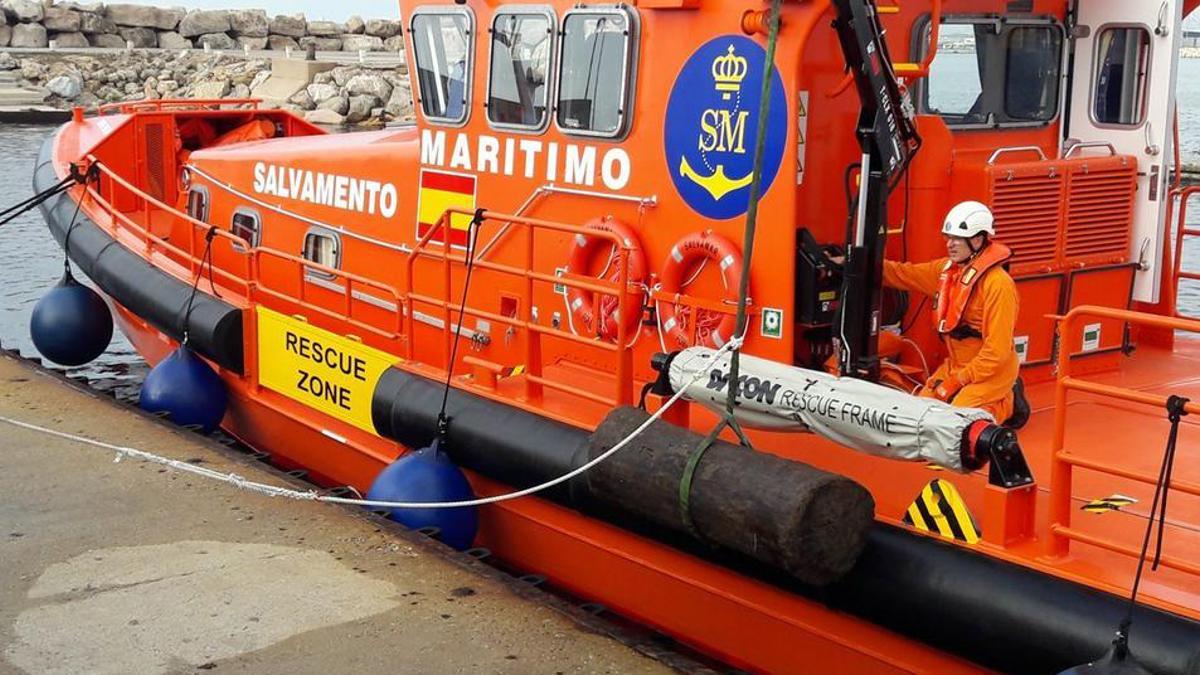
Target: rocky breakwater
349, 94
30, 24
355, 95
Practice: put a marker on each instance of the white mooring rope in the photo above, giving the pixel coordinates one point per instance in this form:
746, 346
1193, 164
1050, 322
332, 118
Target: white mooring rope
243, 483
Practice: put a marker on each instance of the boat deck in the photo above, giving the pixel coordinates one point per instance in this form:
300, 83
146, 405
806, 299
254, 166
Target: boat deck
1104, 431
1132, 436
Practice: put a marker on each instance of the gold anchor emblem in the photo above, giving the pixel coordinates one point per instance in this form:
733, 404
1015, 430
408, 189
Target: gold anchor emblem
722, 130
718, 184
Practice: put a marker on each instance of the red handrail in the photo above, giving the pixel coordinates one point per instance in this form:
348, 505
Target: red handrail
1182, 231
149, 239
430, 247
159, 105
251, 282
1062, 462
253, 285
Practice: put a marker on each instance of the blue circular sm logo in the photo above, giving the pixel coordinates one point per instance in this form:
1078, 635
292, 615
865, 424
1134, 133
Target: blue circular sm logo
711, 122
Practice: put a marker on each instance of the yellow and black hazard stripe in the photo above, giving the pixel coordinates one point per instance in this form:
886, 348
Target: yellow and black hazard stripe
1109, 503
512, 372
939, 509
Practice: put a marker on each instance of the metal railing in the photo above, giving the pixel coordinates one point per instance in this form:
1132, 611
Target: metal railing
1063, 462
430, 246
1182, 232
145, 205
247, 279
178, 104
142, 214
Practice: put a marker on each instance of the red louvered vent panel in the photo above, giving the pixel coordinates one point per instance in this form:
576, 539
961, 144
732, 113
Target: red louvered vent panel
1027, 206
1100, 196
156, 179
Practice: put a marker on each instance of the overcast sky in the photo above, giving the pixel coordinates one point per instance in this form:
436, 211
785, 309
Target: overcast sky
315, 9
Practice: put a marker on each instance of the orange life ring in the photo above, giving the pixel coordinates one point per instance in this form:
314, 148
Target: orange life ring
713, 330
582, 303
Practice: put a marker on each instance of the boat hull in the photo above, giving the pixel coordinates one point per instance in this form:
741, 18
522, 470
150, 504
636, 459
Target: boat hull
912, 604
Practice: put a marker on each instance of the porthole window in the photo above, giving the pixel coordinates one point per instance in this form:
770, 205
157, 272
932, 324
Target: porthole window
519, 79
596, 73
1122, 64
247, 225
441, 40
197, 203
324, 248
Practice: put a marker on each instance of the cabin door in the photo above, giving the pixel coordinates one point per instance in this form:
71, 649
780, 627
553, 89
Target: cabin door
1123, 94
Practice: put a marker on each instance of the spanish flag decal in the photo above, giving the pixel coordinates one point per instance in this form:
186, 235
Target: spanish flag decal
439, 191
940, 510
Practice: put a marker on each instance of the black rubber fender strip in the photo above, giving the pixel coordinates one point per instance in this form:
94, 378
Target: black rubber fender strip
1001, 615
215, 327
498, 441
994, 613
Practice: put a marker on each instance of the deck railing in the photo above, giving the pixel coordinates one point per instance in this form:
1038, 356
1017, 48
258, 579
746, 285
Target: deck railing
430, 247
248, 279
1182, 233
1063, 462
178, 104
113, 187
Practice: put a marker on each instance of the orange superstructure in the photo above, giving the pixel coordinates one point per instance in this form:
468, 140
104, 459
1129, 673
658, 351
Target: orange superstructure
593, 164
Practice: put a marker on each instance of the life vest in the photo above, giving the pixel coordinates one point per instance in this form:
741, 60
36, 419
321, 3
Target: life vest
957, 285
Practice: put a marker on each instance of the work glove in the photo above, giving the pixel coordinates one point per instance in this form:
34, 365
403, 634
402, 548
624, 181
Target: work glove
944, 390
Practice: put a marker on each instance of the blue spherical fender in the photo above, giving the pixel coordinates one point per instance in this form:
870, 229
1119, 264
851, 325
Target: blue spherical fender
187, 389
71, 325
428, 475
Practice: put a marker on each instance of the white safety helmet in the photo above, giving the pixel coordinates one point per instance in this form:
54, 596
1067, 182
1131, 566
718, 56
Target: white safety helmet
968, 219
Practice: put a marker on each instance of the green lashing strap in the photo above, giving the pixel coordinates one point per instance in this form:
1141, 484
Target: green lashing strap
685, 481
689, 471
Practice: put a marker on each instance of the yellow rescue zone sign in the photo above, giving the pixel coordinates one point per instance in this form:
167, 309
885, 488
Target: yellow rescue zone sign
320, 369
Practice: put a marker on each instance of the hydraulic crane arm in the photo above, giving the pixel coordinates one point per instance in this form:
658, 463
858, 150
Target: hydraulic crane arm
888, 138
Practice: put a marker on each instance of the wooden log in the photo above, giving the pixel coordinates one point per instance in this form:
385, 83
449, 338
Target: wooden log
790, 515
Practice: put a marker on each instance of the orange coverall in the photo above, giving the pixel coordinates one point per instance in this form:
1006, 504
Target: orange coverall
987, 367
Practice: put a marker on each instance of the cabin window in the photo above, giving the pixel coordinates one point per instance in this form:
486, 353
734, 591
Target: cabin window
441, 41
596, 71
197, 203
1122, 63
954, 81
990, 73
322, 247
247, 225
1031, 74
519, 83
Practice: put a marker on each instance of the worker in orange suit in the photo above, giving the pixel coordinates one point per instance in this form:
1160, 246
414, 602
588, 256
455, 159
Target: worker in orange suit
974, 311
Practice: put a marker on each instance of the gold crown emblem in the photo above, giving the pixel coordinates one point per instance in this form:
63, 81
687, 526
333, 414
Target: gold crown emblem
728, 71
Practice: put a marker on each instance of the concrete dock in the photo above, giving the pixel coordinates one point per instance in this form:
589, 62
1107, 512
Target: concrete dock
133, 568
